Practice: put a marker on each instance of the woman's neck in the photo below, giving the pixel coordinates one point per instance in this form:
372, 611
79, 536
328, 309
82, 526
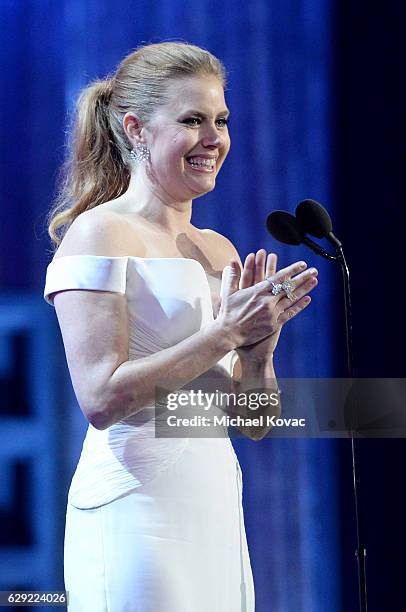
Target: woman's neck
143, 200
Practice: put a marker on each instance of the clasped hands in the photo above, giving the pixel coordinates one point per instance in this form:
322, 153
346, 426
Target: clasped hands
255, 317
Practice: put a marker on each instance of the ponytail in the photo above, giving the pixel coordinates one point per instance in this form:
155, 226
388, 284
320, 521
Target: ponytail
94, 171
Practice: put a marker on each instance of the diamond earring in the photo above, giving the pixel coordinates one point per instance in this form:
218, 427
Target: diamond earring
140, 153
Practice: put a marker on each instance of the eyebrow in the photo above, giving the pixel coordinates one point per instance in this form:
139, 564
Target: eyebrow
200, 114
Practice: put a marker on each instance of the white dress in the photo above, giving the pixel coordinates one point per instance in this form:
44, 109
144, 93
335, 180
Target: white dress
153, 524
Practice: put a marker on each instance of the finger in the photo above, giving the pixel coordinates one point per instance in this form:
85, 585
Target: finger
294, 310
303, 277
230, 279
247, 276
260, 260
271, 263
282, 275
299, 291
301, 284
289, 271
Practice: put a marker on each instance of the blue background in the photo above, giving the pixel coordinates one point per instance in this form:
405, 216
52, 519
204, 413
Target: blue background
317, 100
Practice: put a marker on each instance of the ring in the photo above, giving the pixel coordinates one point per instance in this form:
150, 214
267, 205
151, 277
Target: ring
276, 288
286, 286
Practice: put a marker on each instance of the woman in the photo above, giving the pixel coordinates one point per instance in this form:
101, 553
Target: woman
142, 296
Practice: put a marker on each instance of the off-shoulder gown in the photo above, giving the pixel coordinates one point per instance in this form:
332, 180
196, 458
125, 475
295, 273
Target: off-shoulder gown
153, 524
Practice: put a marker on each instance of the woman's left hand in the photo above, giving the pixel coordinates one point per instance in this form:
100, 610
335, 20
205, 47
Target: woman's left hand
257, 267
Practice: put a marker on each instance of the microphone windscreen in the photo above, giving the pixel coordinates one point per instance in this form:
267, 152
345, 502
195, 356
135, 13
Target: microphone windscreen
284, 227
313, 218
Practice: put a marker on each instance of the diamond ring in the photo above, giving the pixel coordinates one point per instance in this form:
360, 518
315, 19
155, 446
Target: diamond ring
287, 286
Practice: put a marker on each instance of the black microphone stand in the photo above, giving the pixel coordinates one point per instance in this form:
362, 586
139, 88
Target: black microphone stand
293, 233
360, 552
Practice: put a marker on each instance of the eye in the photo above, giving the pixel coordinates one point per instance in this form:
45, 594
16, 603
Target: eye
195, 121
192, 121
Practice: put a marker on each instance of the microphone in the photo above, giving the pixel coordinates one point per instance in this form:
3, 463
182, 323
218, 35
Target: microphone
286, 228
314, 219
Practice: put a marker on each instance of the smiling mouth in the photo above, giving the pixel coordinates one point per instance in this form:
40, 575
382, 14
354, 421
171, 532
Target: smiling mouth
201, 164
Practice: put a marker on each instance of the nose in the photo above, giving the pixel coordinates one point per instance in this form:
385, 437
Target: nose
212, 137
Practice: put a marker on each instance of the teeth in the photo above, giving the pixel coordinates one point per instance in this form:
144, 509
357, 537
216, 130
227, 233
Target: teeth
210, 163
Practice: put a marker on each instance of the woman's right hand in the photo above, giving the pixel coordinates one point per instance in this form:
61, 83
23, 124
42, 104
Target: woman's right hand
251, 314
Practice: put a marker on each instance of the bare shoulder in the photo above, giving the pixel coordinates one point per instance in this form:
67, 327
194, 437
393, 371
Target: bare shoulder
220, 247
100, 232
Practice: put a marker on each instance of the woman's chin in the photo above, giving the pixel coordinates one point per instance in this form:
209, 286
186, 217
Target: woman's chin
202, 187
201, 192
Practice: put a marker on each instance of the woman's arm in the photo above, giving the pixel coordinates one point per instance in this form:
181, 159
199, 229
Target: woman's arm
258, 377
254, 369
94, 325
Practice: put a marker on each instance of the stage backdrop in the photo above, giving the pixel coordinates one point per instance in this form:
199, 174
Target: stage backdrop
279, 58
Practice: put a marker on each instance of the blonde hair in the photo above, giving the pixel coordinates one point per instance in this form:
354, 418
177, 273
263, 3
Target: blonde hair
98, 168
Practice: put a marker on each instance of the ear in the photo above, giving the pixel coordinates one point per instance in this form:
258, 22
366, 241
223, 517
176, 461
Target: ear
132, 128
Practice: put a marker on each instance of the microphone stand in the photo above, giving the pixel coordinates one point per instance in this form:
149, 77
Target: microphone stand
297, 234
360, 552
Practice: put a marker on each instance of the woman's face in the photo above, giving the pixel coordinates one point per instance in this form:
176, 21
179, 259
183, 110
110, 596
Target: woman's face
188, 138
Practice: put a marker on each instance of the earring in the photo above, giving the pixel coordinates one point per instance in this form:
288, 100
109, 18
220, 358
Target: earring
140, 153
